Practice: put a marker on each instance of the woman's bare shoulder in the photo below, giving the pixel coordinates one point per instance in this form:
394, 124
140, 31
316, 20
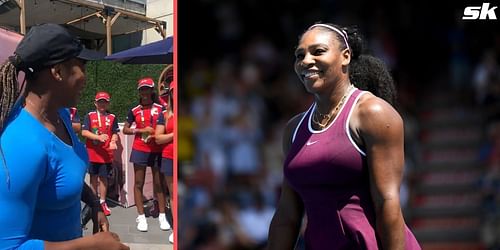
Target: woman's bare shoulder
289, 130
372, 112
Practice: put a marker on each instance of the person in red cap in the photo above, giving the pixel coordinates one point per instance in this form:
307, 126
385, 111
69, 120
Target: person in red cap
164, 134
145, 151
100, 128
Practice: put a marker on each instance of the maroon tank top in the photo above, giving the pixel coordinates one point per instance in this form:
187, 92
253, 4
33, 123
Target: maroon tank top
329, 172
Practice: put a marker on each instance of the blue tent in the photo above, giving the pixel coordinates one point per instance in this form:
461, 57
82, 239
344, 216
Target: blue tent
160, 52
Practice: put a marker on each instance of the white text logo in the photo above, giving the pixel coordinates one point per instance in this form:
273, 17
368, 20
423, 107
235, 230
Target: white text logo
480, 12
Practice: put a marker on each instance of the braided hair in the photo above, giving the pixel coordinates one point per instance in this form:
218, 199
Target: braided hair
8, 96
366, 72
8, 91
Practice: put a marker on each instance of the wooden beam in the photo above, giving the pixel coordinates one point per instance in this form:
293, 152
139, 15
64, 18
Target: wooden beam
160, 30
137, 16
22, 16
84, 17
109, 43
98, 6
101, 16
115, 17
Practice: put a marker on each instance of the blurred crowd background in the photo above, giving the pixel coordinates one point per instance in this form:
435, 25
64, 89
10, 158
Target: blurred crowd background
238, 90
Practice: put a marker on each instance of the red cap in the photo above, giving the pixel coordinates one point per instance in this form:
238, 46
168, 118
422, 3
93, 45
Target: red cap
145, 82
102, 95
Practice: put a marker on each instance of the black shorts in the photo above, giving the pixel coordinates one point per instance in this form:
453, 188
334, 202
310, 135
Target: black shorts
167, 166
145, 158
100, 169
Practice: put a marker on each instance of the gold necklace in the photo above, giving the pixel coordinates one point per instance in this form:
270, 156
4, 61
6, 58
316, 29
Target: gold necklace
329, 116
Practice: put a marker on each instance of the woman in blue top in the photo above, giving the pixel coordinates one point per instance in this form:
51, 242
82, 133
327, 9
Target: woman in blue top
42, 162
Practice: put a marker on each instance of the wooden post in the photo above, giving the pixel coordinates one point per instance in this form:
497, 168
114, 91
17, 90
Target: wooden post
160, 30
108, 35
22, 17
109, 23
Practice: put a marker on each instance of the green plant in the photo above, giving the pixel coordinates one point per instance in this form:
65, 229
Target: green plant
120, 81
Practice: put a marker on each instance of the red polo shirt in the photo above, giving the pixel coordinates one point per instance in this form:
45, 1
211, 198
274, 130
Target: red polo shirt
144, 116
100, 123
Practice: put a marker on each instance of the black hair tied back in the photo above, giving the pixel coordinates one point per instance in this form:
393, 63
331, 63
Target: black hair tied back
355, 41
368, 72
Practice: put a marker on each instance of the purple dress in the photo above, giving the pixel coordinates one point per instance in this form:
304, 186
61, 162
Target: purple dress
329, 172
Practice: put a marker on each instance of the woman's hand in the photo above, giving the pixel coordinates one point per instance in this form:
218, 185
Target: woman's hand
150, 137
101, 223
148, 129
108, 241
112, 145
103, 137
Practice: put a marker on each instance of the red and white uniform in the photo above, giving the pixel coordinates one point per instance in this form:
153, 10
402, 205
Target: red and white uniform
100, 123
168, 150
145, 117
73, 115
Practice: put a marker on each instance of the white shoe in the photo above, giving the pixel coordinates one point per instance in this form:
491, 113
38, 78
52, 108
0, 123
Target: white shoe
171, 238
142, 224
163, 222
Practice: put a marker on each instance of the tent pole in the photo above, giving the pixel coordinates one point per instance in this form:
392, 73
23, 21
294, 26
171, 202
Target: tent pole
22, 16
109, 23
109, 48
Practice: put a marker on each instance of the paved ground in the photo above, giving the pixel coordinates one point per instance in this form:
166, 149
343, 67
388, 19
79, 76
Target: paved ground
122, 222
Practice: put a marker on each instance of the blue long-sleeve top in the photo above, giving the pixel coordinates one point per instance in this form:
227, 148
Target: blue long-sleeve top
41, 182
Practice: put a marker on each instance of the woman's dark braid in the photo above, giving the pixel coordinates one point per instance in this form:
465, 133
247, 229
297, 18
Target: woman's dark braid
8, 90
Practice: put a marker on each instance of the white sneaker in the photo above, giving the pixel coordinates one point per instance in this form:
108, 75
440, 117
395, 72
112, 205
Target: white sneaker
163, 222
171, 238
142, 224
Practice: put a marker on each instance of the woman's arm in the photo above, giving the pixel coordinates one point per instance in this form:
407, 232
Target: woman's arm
91, 136
161, 137
113, 143
128, 131
286, 222
381, 129
99, 241
77, 127
19, 199
132, 131
88, 134
101, 223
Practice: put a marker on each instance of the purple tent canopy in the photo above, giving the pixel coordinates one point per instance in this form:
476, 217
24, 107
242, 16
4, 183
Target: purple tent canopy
160, 52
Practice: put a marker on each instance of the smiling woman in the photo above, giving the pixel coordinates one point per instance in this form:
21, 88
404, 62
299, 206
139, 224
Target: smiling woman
345, 154
42, 160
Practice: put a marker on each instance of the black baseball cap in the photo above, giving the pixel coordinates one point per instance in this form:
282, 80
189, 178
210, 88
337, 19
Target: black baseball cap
47, 44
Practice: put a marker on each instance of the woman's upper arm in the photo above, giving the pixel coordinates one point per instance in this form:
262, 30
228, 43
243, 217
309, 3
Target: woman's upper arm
289, 199
285, 225
289, 131
161, 123
381, 129
160, 129
126, 125
18, 196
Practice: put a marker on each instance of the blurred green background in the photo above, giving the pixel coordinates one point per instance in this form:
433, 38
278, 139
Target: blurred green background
120, 81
